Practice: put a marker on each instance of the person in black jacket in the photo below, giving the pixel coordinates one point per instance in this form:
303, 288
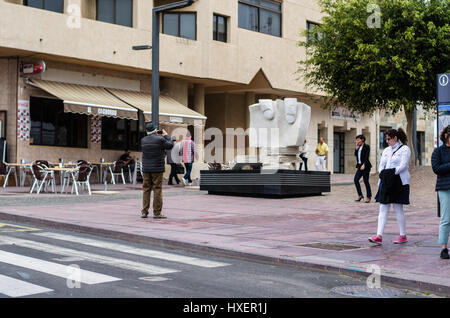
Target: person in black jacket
363, 166
154, 147
440, 162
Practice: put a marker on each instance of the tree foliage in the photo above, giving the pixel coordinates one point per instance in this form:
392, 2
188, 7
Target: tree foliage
366, 67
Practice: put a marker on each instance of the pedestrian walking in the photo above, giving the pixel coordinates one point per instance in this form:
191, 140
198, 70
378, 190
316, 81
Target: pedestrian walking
440, 162
188, 153
173, 159
154, 147
303, 155
393, 184
363, 166
322, 153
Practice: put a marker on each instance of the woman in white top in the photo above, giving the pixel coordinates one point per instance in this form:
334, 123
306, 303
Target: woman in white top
303, 153
395, 157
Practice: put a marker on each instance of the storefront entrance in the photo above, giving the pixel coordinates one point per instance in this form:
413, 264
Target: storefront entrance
338, 152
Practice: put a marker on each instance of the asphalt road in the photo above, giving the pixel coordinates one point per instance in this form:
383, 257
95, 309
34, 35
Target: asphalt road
45, 263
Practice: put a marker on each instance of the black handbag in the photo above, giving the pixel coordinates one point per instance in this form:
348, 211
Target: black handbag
179, 169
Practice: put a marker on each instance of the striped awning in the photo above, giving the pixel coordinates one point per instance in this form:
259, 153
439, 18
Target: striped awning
170, 110
92, 100
89, 100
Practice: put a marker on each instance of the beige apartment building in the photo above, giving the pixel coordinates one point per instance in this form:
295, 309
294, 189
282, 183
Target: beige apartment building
217, 57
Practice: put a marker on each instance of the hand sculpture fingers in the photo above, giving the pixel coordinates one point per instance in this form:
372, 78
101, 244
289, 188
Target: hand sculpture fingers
290, 109
267, 108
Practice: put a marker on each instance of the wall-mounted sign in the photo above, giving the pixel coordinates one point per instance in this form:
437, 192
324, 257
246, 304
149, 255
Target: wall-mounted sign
176, 119
106, 112
23, 120
443, 88
29, 69
345, 114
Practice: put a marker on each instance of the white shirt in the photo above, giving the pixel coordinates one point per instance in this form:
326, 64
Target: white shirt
399, 160
359, 154
304, 149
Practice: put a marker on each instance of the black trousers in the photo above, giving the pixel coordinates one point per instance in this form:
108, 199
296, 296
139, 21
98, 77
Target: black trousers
173, 174
305, 160
365, 175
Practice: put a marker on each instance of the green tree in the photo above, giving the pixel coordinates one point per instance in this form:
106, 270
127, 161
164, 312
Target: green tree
380, 54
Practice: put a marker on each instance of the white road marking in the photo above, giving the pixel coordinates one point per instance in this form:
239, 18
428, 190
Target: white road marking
54, 269
131, 250
17, 288
121, 263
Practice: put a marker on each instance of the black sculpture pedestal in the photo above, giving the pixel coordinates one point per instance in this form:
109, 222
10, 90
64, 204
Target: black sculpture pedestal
265, 183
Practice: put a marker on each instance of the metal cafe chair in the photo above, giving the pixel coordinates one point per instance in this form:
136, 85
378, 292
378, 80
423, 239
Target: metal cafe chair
41, 178
5, 171
82, 177
117, 170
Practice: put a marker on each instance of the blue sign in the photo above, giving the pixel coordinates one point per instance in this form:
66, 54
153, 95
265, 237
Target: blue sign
443, 88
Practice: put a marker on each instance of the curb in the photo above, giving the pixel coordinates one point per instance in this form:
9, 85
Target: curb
220, 252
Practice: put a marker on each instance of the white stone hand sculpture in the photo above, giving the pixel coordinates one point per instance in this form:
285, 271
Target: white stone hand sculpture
287, 120
279, 128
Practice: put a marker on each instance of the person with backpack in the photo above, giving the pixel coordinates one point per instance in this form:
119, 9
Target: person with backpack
440, 162
393, 184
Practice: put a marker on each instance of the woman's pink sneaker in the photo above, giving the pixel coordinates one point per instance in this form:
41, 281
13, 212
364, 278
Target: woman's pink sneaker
401, 240
376, 240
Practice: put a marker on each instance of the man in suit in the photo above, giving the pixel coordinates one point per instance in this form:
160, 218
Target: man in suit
363, 166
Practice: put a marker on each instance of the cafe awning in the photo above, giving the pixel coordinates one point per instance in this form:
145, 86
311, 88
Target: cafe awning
170, 110
89, 100
100, 101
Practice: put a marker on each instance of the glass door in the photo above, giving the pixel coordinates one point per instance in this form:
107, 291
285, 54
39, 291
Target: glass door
338, 152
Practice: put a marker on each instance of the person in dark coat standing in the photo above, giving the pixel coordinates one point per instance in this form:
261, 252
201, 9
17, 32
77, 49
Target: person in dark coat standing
154, 147
173, 159
440, 162
363, 166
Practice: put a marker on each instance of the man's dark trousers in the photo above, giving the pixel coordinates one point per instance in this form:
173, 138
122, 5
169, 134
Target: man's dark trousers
365, 175
173, 173
152, 181
187, 176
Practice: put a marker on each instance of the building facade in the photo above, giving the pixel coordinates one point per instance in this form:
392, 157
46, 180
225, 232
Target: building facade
216, 58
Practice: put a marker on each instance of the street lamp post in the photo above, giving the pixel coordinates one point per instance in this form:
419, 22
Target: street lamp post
155, 56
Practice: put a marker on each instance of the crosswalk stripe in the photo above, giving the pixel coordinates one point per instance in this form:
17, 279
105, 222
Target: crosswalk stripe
121, 263
55, 269
131, 250
17, 288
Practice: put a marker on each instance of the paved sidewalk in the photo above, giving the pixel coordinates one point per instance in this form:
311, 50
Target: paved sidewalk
273, 230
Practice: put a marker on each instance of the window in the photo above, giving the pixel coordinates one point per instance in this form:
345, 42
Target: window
120, 134
383, 142
50, 5
181, 24
115, 11
260, 15
310, 26
51, 126
219, 28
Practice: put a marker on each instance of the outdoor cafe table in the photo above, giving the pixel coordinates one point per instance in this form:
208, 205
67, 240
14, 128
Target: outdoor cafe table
103, 165
62, 171
21, 167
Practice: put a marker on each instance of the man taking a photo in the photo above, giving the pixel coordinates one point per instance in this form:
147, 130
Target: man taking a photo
154, 147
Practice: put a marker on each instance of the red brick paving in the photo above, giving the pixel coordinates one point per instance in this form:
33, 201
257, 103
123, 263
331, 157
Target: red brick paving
277, 227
